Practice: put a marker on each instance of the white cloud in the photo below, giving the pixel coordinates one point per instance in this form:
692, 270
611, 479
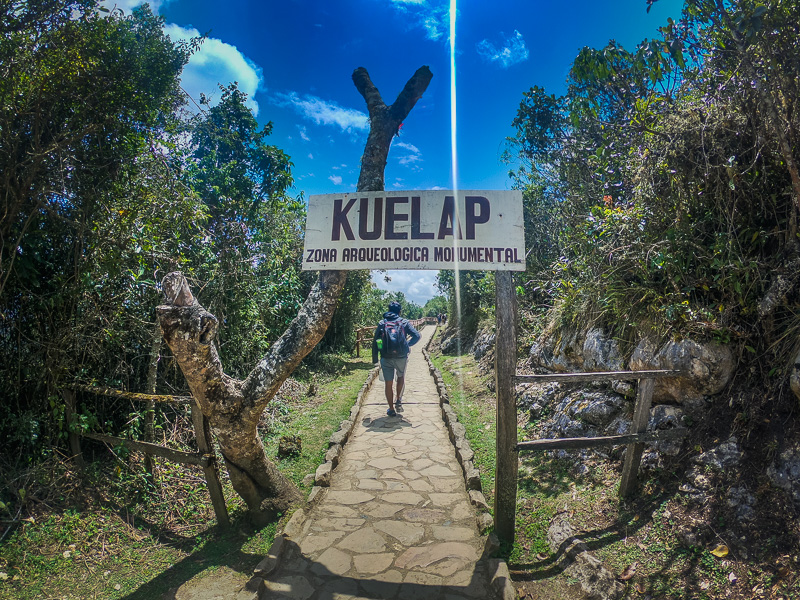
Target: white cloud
311, 156
409, 147
324, 112
410, 154
435, 26
418, 286
336, 179
304, 134
433, 19
216, 63
512, 50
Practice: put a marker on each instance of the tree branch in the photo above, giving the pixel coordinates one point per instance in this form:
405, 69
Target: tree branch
411, 93
368, 90
298, 340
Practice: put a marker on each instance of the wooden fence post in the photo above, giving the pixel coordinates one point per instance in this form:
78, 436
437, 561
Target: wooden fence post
202, 432
505, 499
74, 440
633, 453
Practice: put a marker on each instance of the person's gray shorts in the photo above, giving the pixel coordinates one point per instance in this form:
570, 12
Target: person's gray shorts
390, 365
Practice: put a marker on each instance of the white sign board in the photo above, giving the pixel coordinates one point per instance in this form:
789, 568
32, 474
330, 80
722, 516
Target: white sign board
428, 229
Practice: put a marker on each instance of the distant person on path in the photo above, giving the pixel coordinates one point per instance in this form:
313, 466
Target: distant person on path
393, 338
439, 319
444, 318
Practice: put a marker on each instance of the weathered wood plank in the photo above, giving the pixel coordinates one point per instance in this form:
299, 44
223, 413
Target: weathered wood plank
202, 432
190, 458
505, 367
608, 440
103, 391
599, 376
633, 453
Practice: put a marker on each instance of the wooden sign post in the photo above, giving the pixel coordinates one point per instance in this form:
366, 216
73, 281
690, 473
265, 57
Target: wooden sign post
505, 497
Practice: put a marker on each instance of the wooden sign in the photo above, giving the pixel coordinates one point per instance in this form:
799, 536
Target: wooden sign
422, 230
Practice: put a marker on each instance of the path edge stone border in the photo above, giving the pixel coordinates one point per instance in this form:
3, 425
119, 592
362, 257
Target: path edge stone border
322, 478
501, 579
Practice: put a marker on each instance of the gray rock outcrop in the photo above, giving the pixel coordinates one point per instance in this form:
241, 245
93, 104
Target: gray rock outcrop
709, 366
601, 353
483, 344
785, 472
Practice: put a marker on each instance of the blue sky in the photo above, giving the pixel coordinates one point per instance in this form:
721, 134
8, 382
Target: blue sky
295, 58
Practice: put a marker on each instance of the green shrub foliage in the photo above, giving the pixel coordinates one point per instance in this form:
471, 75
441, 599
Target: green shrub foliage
660, 191
108, 183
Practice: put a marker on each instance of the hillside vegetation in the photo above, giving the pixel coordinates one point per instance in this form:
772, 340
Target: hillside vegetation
662, 189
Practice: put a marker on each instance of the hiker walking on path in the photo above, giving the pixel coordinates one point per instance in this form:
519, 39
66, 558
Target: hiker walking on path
393, 338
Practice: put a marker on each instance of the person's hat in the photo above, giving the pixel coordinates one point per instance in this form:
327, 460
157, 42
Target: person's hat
395, 307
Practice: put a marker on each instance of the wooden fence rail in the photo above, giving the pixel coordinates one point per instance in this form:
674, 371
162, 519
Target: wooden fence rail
634, 441
606, 440
507, 446
598, 376
205, 457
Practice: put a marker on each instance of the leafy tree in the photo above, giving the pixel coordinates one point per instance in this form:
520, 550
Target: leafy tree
470, 295
235, 171
350, 314
435, 306
251, 261
647, 169
78, 92
411, 310
85, 100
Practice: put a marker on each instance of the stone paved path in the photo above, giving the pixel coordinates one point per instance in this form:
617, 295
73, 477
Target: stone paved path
396, 521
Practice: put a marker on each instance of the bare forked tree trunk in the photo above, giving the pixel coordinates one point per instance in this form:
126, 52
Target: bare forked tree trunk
233, 406
384, 122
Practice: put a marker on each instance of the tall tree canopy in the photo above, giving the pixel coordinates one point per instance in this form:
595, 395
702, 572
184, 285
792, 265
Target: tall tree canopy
79, 92
251, 255
105, 184
85, 194
660, 189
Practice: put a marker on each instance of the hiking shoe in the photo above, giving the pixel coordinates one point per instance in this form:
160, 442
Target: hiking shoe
391, 412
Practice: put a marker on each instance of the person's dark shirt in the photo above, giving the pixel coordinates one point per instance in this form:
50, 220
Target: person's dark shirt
412, 335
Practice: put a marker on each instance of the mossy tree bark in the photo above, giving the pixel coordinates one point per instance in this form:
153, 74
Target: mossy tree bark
233, 407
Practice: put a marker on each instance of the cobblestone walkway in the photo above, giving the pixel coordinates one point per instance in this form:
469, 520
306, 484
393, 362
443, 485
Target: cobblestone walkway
396, 521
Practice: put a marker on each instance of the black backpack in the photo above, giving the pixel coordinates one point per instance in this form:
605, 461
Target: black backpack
394, 339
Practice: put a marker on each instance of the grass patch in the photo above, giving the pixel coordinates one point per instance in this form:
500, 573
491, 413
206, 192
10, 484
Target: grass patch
111, 536
315, 418
474, 405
